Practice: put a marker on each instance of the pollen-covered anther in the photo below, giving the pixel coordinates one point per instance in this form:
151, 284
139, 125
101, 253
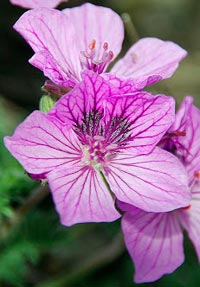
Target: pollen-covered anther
96, 59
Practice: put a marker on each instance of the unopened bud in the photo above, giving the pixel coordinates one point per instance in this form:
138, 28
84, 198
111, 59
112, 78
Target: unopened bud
46, 103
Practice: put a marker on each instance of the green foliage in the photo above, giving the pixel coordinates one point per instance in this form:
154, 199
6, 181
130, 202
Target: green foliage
15, 185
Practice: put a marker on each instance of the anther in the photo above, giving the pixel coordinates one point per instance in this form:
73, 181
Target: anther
111, 55
105, 46
186, 207
92, 44
177, 133
197, 174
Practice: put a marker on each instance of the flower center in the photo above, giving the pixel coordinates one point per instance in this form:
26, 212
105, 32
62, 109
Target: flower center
95, 60
97, 153
171, 142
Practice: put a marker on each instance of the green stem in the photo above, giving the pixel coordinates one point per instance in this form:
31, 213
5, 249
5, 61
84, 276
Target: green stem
130, 28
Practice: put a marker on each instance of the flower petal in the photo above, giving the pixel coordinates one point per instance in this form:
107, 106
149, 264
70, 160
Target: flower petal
150, 57
190, 219
51, 31
45, 62
127, 86
80, 195
156, 182
87, 97
147, 118
188, 120
154, 242
40, 146
37, 3
91, 25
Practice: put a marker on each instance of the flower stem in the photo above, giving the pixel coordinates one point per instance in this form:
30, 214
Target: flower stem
130, 28
103, 256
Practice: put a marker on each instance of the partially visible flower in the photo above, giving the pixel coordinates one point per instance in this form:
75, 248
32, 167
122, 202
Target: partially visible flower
77, 39
95, 145
155, 240
37, 3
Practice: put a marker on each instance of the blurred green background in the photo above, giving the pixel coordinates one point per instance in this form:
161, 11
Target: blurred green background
35, 250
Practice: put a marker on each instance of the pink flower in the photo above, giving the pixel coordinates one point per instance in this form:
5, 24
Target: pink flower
89, 37
37, 3
91, 134
155, 240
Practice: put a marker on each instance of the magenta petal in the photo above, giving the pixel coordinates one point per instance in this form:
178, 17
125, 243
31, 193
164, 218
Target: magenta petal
190, 219
156, 182
154, 242
40, 146
97, 23
50, 31
45, 62
148, 118
150, 57
188, 120
80, 195
87, 97
127, 86
37, 3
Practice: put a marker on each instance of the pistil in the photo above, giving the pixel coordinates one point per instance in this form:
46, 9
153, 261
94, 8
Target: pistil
97, 152
92, 61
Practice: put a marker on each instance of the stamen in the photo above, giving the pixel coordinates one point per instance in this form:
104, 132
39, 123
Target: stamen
96, 60
97, 153
92, 44
178, 133
197, 175
85, 54
186, 207
105, 46
111, 55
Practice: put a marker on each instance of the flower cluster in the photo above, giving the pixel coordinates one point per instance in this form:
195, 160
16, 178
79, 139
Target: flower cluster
107, 148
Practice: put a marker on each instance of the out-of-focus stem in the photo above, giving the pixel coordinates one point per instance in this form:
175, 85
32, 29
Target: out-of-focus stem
103, 256
130, 28
36, 196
